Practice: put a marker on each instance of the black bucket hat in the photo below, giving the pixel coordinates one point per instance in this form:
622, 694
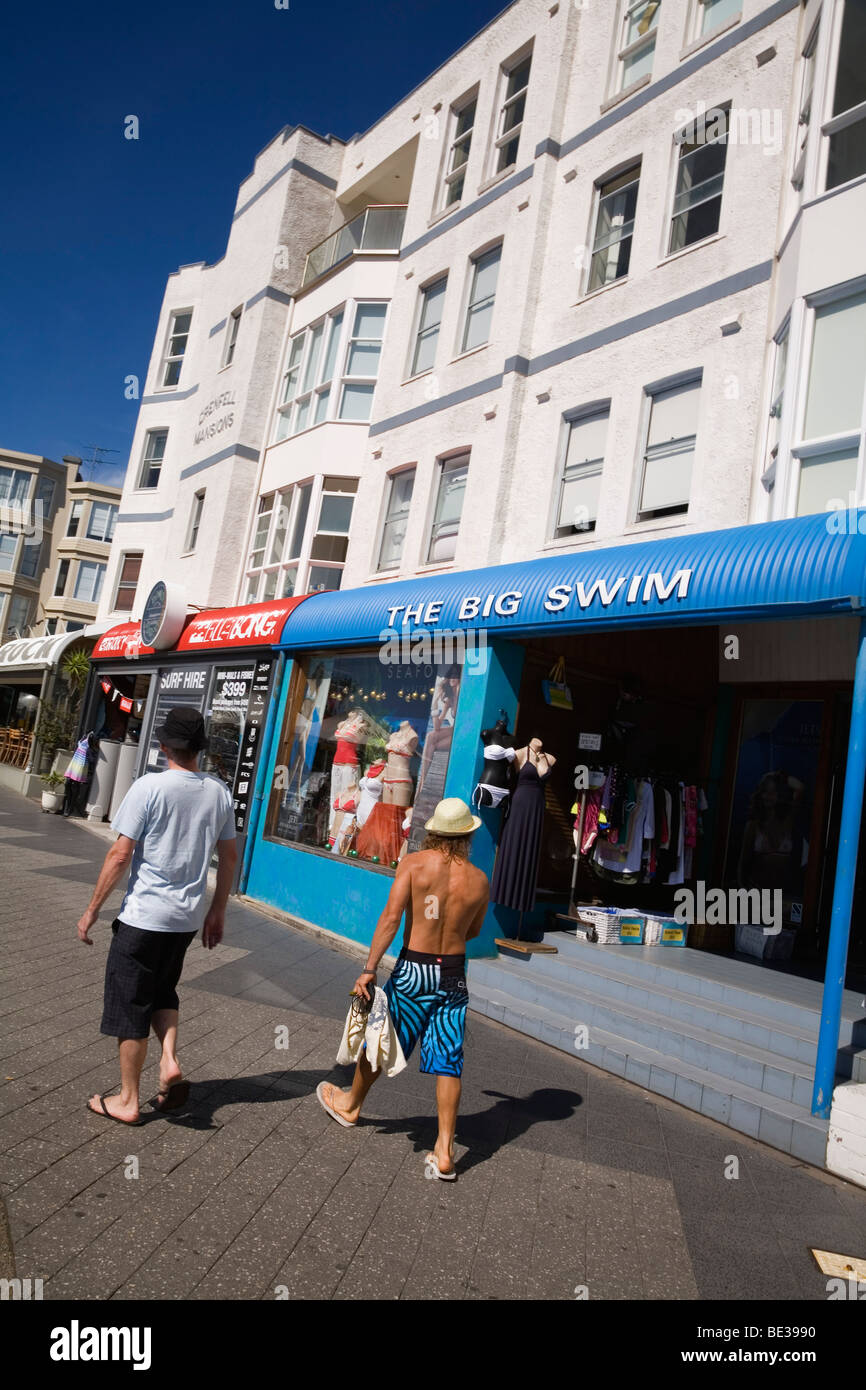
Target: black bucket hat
183, 728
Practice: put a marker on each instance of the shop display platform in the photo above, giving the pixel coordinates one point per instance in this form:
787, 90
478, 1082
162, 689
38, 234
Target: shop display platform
721, 1036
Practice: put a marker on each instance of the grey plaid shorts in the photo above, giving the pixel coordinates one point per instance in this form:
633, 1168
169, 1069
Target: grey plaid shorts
141, 976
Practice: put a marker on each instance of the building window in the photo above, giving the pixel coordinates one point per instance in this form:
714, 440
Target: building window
345, 721
62, 576
479, 310
75, 513
14, 486
780, 366
234, 324
847, 125
829, 449
580, 475
400, 489
74, 627
8, 550
637, 41
31, 554
103, 516
362, 362
459, 145
178, 336
516, 83
700, 179
451, 490
88, 581
710, 15
127, 583
45, 490
195, 519
50, 627
614, 229
807, 88
288, 555
429, 323
154, 453
19, 614
670, 451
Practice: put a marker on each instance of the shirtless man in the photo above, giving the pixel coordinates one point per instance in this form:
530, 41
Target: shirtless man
444, 898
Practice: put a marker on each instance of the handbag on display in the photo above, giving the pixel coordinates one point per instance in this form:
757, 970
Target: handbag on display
556, 692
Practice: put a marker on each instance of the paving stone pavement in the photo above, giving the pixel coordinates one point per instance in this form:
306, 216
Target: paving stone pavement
570, 1179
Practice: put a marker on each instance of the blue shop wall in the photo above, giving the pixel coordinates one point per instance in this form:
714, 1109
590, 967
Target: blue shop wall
346, 898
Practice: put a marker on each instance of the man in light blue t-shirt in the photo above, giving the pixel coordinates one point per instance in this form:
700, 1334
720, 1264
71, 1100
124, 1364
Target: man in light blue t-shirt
168, 826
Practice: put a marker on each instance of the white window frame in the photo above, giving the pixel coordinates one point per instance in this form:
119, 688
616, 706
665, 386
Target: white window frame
695, 32
412, 369
634, 169
361, 380
796, 446
294, 377
127, 555
452, 175
169, 357
76, 512
194, 524
592, 410
832, 125
146, 467
444, 461
778, 386
233, 328
650, 392
289, 501
805, 111
100, 568
503, 138
113, 510
639, 45
387, 518
469, 304
680, 141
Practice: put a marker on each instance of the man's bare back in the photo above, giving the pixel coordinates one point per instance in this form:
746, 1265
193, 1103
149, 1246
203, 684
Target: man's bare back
447, 899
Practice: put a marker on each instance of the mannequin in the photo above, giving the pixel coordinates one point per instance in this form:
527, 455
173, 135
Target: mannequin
344, 820
400, 748
371, 791
346, 765
442, 711
499, 753
382, 834
515, 873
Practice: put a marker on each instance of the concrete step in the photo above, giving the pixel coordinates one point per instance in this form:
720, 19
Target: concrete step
572, 995
724, 1020
773, 1120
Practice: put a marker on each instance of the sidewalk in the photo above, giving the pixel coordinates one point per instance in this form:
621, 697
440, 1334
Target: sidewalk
568, 1176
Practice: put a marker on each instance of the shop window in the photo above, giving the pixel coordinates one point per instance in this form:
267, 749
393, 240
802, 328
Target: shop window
804, 115
580, 476
670, 451
614, 229
232, 331
88, 581
103, 516
75, 514
154, 453
700, 180
462, 126
833, 423
847, 126
515, 85
178, 337
127, 584
429, 323
400, 489
14, 486
31, 555
482, 294
451, 490
195, 520
709, 15
363, 756
62, 577
637, 41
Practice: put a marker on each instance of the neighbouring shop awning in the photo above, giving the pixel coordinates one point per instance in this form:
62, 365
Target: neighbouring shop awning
30, 657
214, 629
778, 569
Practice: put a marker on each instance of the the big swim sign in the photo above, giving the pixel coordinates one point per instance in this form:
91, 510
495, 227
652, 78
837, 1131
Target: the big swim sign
633, 590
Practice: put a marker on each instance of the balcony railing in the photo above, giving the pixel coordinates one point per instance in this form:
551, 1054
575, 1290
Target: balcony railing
378, 228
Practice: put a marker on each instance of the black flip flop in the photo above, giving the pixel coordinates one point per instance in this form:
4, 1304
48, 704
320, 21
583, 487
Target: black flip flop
106, 1113
175, 1098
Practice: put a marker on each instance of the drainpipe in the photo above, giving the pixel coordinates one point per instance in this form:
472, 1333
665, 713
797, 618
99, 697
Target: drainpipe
262, 772
843, 891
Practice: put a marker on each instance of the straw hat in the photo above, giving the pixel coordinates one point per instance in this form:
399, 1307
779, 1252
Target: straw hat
452, 817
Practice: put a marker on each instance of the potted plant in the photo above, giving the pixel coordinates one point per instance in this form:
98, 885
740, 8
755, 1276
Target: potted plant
53, 786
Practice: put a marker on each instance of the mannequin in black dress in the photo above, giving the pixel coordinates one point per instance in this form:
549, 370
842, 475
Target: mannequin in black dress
494, 783
515, 872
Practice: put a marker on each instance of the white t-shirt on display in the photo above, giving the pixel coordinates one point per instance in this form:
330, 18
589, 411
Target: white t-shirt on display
176, 819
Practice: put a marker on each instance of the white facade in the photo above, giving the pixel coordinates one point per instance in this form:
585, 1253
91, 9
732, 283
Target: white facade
583, 405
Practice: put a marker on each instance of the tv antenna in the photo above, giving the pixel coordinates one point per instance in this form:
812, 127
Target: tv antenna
96, 460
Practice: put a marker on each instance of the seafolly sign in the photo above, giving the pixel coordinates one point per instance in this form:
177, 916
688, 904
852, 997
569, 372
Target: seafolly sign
631, 589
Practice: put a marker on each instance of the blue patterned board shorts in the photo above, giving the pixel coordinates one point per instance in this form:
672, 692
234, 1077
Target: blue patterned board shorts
427, 999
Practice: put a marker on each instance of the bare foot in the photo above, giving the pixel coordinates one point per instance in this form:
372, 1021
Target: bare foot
444, 1158
113, 1105
169, 1073
337, 1098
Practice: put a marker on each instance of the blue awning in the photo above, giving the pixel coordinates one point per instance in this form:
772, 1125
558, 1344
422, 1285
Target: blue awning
776, 569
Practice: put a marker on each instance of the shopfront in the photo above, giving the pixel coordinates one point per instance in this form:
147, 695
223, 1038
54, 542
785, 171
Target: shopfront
717, 667
222, 662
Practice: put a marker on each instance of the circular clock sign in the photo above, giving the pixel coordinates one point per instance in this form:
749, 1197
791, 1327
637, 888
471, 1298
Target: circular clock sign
164, 615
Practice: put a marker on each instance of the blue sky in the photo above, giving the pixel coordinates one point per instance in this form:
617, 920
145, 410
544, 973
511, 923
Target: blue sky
93, 223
